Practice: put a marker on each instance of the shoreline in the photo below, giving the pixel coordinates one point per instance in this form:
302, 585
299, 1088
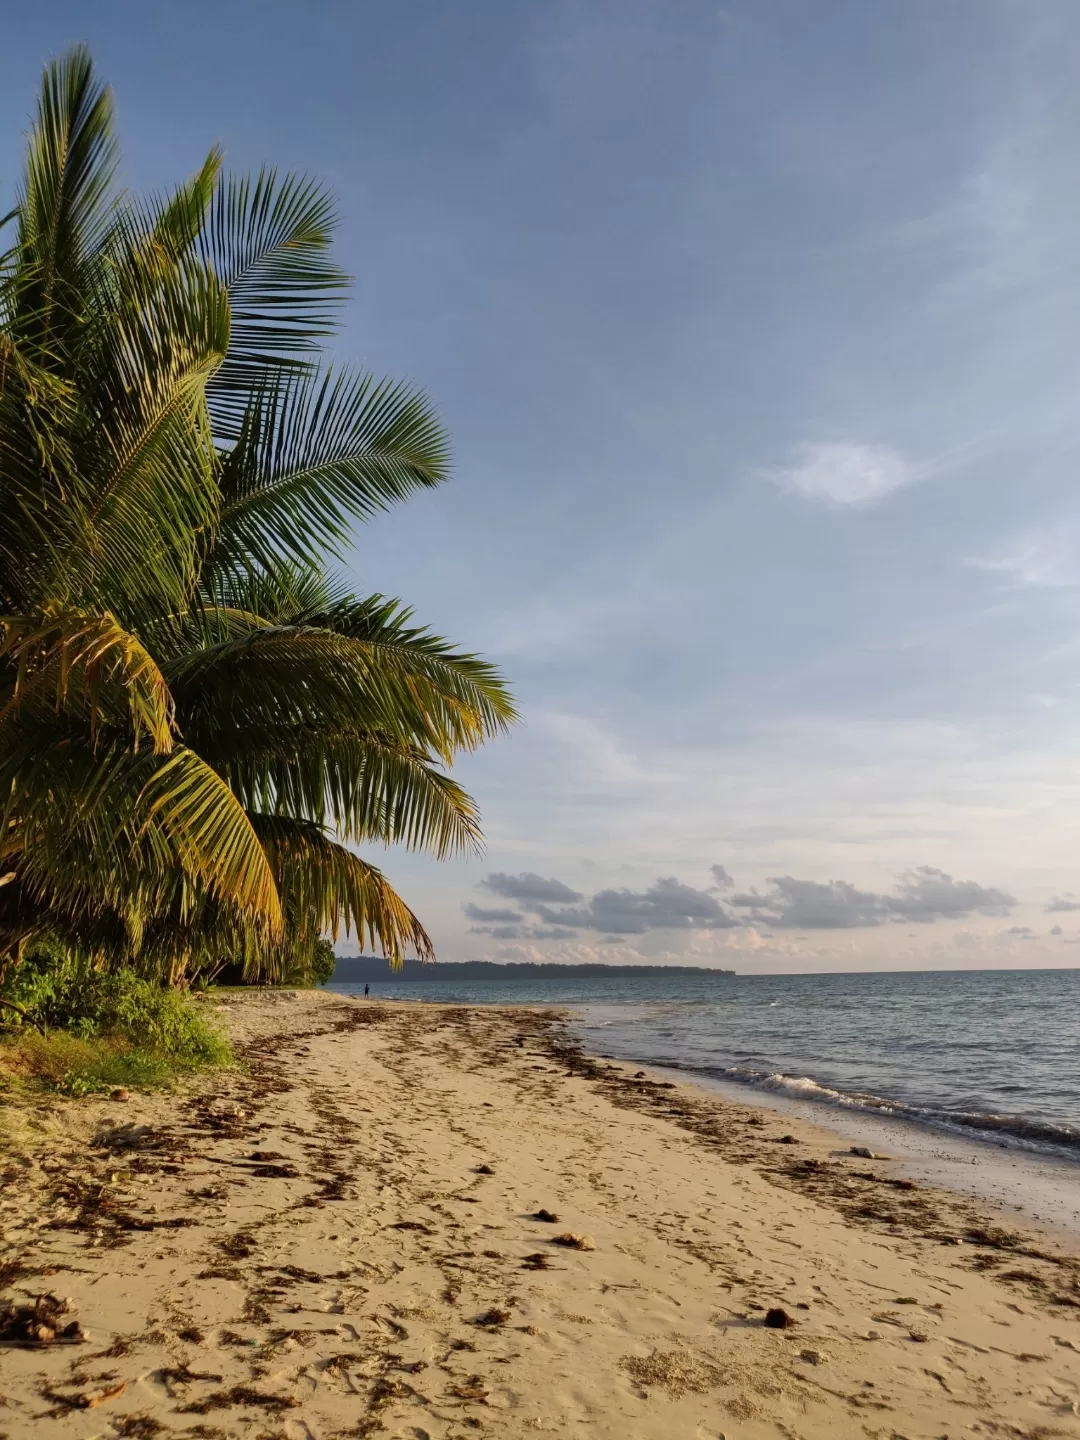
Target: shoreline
1025, 1185
341, 1239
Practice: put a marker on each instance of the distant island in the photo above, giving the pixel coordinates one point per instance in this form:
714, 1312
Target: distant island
363, 969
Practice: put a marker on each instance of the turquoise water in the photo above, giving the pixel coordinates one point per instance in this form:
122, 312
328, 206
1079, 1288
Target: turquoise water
993, 1054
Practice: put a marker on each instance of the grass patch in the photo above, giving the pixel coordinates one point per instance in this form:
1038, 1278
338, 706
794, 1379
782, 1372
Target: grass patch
70, 1065
96, 1031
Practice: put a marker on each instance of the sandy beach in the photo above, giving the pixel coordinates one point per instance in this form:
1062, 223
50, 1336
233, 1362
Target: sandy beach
341, 1238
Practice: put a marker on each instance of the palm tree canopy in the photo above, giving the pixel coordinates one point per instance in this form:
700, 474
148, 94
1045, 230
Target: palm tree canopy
197, 722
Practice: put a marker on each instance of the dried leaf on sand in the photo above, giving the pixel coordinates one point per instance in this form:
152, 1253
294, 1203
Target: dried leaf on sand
91, 1399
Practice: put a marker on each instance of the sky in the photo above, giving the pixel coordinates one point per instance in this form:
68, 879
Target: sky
756, 328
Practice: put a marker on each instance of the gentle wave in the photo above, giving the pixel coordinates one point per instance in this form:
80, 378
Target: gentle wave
987, 1126
964, 1052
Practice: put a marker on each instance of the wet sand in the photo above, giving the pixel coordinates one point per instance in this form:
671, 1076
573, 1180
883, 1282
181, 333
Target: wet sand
340, 1239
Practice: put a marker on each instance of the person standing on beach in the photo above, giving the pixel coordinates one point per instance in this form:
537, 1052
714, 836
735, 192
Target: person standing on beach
367, 990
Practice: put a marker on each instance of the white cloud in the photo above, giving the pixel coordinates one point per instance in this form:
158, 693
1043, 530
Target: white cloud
847, 473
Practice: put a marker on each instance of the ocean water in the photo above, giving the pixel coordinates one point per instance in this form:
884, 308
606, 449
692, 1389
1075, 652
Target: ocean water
993, 1055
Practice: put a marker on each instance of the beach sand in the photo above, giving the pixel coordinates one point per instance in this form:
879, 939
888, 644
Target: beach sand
339, 1239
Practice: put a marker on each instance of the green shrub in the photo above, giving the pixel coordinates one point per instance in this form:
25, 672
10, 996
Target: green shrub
95, 1030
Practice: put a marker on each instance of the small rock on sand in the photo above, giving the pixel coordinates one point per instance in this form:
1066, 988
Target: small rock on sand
863, 1152
778, 1319
574, 1242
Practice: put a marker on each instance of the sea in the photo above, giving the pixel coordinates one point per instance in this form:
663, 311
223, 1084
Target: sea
991, 1056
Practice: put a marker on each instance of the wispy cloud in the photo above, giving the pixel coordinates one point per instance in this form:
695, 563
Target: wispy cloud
847, 473
1037, 561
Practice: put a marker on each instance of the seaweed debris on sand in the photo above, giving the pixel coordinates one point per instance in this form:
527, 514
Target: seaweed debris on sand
313, 1234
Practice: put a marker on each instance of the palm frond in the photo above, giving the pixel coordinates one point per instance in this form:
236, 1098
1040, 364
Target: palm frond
88, 663
268, 240
149, 495
38, 411
192, 808
135, 834
367, 787
276, 595
466, 684
316, 454
322, 879
360, 664
176, 225
65, 206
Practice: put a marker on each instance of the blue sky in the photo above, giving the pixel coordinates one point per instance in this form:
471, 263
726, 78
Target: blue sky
755, 326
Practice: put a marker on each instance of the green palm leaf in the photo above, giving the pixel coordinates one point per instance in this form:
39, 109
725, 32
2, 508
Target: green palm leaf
317, 453
149, 493
89, 662
322, 879
174, 226
106, 829
421, 692
365, 786
65, 207
268, 243
191, 808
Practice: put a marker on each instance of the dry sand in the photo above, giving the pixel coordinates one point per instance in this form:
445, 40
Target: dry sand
338, 1240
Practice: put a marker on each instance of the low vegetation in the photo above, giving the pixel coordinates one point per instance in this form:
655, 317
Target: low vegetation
78, 1029
69, 1026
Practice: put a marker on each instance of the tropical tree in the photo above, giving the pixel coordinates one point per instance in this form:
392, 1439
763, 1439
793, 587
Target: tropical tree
197, 721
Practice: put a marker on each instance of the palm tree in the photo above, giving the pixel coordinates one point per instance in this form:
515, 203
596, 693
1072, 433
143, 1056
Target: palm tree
197, 721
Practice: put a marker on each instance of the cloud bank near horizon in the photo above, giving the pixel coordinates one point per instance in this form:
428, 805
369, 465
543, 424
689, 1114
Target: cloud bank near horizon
548, 909
923, 895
